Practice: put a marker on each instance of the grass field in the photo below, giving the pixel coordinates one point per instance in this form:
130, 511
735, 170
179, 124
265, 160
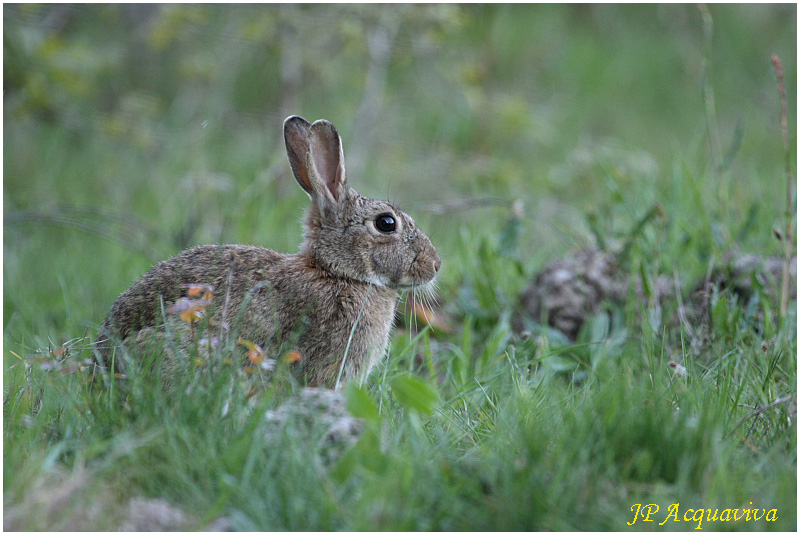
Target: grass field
133, 132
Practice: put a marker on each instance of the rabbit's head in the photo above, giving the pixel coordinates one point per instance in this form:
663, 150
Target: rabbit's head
347, 234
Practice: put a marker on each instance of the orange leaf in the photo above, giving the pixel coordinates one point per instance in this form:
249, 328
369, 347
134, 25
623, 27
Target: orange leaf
193, 314
193, 290
254, 353
292, 356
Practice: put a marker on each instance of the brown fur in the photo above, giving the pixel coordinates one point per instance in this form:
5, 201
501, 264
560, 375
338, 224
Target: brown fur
310, 299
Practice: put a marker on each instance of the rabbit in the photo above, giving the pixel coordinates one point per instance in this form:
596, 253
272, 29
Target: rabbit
335, 297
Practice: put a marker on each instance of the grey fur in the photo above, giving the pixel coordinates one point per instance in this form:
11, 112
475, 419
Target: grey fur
311, 298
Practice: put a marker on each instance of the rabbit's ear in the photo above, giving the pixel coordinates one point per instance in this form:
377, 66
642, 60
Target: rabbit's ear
326, 162
296, 135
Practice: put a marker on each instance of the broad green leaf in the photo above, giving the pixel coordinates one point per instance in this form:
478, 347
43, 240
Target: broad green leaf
414, 393
360, 404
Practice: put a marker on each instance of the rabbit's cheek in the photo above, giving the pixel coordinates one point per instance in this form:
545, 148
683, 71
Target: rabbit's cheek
387, 265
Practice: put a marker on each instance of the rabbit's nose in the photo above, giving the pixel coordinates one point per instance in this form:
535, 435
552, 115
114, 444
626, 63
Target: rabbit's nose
437, 262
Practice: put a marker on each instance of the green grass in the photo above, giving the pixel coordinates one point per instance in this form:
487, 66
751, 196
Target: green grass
590, 116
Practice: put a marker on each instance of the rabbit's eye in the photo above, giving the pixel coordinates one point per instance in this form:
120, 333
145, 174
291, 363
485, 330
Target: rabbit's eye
385, 223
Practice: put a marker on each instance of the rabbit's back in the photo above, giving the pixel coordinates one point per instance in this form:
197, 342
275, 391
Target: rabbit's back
140, 306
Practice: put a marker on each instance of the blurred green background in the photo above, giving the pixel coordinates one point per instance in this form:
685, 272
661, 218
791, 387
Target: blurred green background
133, 131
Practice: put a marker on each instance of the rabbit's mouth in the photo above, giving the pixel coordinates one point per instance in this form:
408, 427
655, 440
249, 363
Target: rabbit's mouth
416, 285
404, 284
